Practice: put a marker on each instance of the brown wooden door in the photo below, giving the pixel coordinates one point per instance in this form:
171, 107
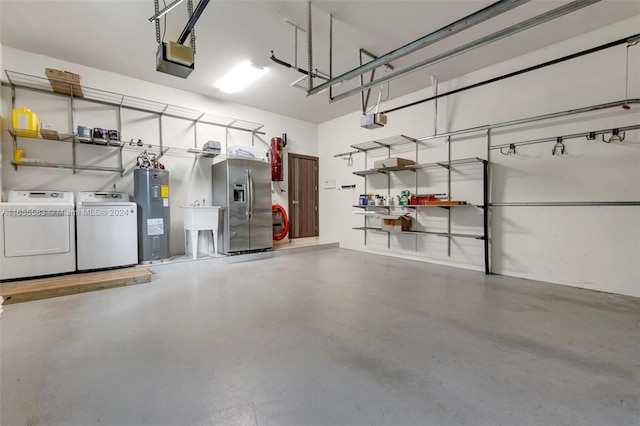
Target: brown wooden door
303, 196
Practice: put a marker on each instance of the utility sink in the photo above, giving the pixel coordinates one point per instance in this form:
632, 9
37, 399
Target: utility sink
197, 218
200, 218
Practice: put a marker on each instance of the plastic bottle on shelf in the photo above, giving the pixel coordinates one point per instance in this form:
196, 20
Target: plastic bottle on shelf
18, 156
26, 123
404, 198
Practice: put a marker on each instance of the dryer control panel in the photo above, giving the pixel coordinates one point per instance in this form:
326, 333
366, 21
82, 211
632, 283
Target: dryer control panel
35, 197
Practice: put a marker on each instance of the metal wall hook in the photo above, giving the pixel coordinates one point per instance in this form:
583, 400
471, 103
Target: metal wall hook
558, 146
349, 160
615, 136
591, 136
511, 150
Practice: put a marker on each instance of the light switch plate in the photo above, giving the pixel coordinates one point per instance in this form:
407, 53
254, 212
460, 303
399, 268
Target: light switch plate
329, 184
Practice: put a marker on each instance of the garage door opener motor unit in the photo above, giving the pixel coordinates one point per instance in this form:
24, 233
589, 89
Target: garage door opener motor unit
175, 58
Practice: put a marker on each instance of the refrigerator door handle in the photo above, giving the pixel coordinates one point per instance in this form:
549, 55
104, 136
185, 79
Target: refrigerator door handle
248, 195
251, 195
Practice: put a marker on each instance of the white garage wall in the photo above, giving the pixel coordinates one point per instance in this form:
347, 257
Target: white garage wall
590, 247
190, 177
1, 113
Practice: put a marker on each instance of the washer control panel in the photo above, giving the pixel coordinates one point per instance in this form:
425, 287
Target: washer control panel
102, 197
40, 196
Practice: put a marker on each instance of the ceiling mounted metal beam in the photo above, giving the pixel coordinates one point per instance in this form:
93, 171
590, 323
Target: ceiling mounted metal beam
469, 21
514, 29
192, 21
515, 73
161, 13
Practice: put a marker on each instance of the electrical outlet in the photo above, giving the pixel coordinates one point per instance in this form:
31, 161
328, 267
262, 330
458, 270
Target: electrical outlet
329, 184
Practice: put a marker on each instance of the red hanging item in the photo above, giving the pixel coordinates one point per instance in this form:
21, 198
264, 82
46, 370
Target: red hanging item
276, 159
280, 222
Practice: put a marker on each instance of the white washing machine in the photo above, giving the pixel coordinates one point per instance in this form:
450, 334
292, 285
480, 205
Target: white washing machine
37, 234
107, 225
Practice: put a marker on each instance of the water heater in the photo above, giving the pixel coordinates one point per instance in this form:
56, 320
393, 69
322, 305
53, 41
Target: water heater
151, 191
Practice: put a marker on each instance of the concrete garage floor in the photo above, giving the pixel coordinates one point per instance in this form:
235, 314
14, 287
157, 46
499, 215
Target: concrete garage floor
329, 337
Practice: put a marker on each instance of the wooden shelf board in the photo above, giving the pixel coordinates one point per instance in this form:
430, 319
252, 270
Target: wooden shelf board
44, 288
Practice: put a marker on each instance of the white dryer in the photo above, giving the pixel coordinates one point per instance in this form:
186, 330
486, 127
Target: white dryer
107, 224
37, 234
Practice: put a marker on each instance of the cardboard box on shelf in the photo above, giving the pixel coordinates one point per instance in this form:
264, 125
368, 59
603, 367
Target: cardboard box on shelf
424, 199
392, 162
47, 126
446, 203
64, 82
49, 134
396, 222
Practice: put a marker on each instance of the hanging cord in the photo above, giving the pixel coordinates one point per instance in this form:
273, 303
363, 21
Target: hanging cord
626, 79
377, 106
386, 97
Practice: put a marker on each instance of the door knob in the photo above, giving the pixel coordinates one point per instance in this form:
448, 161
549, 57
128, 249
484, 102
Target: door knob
294, 202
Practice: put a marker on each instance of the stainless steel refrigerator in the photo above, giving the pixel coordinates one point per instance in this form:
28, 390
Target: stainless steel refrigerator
243, 188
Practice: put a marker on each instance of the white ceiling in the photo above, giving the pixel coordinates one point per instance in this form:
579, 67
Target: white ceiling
117, 36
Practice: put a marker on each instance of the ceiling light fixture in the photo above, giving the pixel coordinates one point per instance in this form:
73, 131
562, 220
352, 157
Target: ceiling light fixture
240, 77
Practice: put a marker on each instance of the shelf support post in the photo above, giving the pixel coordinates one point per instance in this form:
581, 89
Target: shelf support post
120, 165
449, 195
73, 122
160, 134
389, 190
119, 119
195, 131
365, 191
487, 266
119, 137
13, 136
486, 182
